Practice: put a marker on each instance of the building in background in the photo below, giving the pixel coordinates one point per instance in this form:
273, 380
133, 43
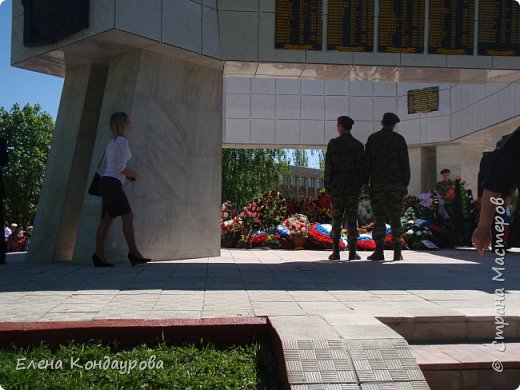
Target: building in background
302, 183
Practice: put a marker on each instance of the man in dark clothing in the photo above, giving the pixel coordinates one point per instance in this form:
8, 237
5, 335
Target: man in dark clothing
503, 177
486, 163
343, 173
3, 163
386, 176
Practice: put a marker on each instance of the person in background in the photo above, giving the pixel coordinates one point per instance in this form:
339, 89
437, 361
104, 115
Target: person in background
443, 186
7, 231
342, 179
486, 164
502, 178
28, 235
3, 163
386, 179
114, 200
16, 241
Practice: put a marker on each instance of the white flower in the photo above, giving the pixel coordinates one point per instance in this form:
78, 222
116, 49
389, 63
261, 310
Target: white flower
419, 233
409, 231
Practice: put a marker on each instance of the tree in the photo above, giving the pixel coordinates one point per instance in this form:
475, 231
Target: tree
300, 158
28, 131
248, 173
320, 153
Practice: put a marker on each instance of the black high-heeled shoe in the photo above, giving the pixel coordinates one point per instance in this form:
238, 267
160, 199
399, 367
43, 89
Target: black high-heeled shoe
137, 260
100, 263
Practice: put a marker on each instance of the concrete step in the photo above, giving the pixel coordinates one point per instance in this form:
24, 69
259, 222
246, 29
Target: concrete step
470, 365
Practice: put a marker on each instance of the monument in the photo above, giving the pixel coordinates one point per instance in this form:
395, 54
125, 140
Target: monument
164, 62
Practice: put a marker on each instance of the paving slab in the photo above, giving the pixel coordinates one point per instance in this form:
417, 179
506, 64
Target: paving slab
330, 316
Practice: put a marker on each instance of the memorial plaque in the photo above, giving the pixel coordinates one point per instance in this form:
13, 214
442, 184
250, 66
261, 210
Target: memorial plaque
452, 25
499, 28
350, 25
423, 100
299, 24
401, 26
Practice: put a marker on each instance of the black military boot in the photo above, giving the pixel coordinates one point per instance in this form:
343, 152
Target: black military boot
397, 252
335, 252
378, 254
352, 254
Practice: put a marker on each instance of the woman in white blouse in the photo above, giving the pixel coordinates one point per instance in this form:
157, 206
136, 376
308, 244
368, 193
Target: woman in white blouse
115, 202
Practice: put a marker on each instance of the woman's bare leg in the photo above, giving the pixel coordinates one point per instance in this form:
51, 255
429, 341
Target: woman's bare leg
101, 236
128, 231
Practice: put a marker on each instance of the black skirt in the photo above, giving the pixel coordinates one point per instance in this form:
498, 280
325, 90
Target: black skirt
115, 202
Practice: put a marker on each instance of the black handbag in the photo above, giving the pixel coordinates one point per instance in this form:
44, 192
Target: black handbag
93, 189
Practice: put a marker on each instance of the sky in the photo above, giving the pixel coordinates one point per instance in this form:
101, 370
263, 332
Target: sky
19, 85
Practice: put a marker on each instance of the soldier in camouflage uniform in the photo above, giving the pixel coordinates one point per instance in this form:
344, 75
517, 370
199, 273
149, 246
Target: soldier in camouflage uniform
387, 175
443, 186
343, 180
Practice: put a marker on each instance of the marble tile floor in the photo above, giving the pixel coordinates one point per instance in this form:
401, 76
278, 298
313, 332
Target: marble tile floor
329, 315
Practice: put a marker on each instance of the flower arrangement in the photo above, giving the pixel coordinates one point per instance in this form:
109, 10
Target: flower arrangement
317, 210
298, 226
272, 241
231, 228
415, 233
250, 216
273, 209
226, 212
320, 235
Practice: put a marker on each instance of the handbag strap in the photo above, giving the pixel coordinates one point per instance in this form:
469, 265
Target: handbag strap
100, 161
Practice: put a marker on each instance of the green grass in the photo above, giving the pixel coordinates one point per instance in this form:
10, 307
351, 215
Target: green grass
184, 367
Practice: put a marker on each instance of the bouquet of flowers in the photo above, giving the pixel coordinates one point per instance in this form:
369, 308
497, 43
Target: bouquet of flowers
415, 233
273, 209
432, 207
226, 212
231, 228
250, 216
298, 226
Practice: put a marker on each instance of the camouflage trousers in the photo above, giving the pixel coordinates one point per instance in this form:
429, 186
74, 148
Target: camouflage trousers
344, 206
387, 203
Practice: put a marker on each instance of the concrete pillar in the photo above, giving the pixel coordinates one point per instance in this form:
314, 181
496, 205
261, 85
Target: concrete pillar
176, 110
66, 178
422, 169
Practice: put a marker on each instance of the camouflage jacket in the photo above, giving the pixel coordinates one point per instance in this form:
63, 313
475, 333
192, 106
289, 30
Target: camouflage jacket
343, 164
442, 187
386, 159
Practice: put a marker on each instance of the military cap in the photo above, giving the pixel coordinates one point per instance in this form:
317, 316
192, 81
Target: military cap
346, 121
390, 118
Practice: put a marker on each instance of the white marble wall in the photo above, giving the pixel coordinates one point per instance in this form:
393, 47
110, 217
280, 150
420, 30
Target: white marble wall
301, 112
176, 109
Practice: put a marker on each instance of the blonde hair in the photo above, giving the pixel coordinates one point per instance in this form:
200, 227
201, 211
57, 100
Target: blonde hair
118, 122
